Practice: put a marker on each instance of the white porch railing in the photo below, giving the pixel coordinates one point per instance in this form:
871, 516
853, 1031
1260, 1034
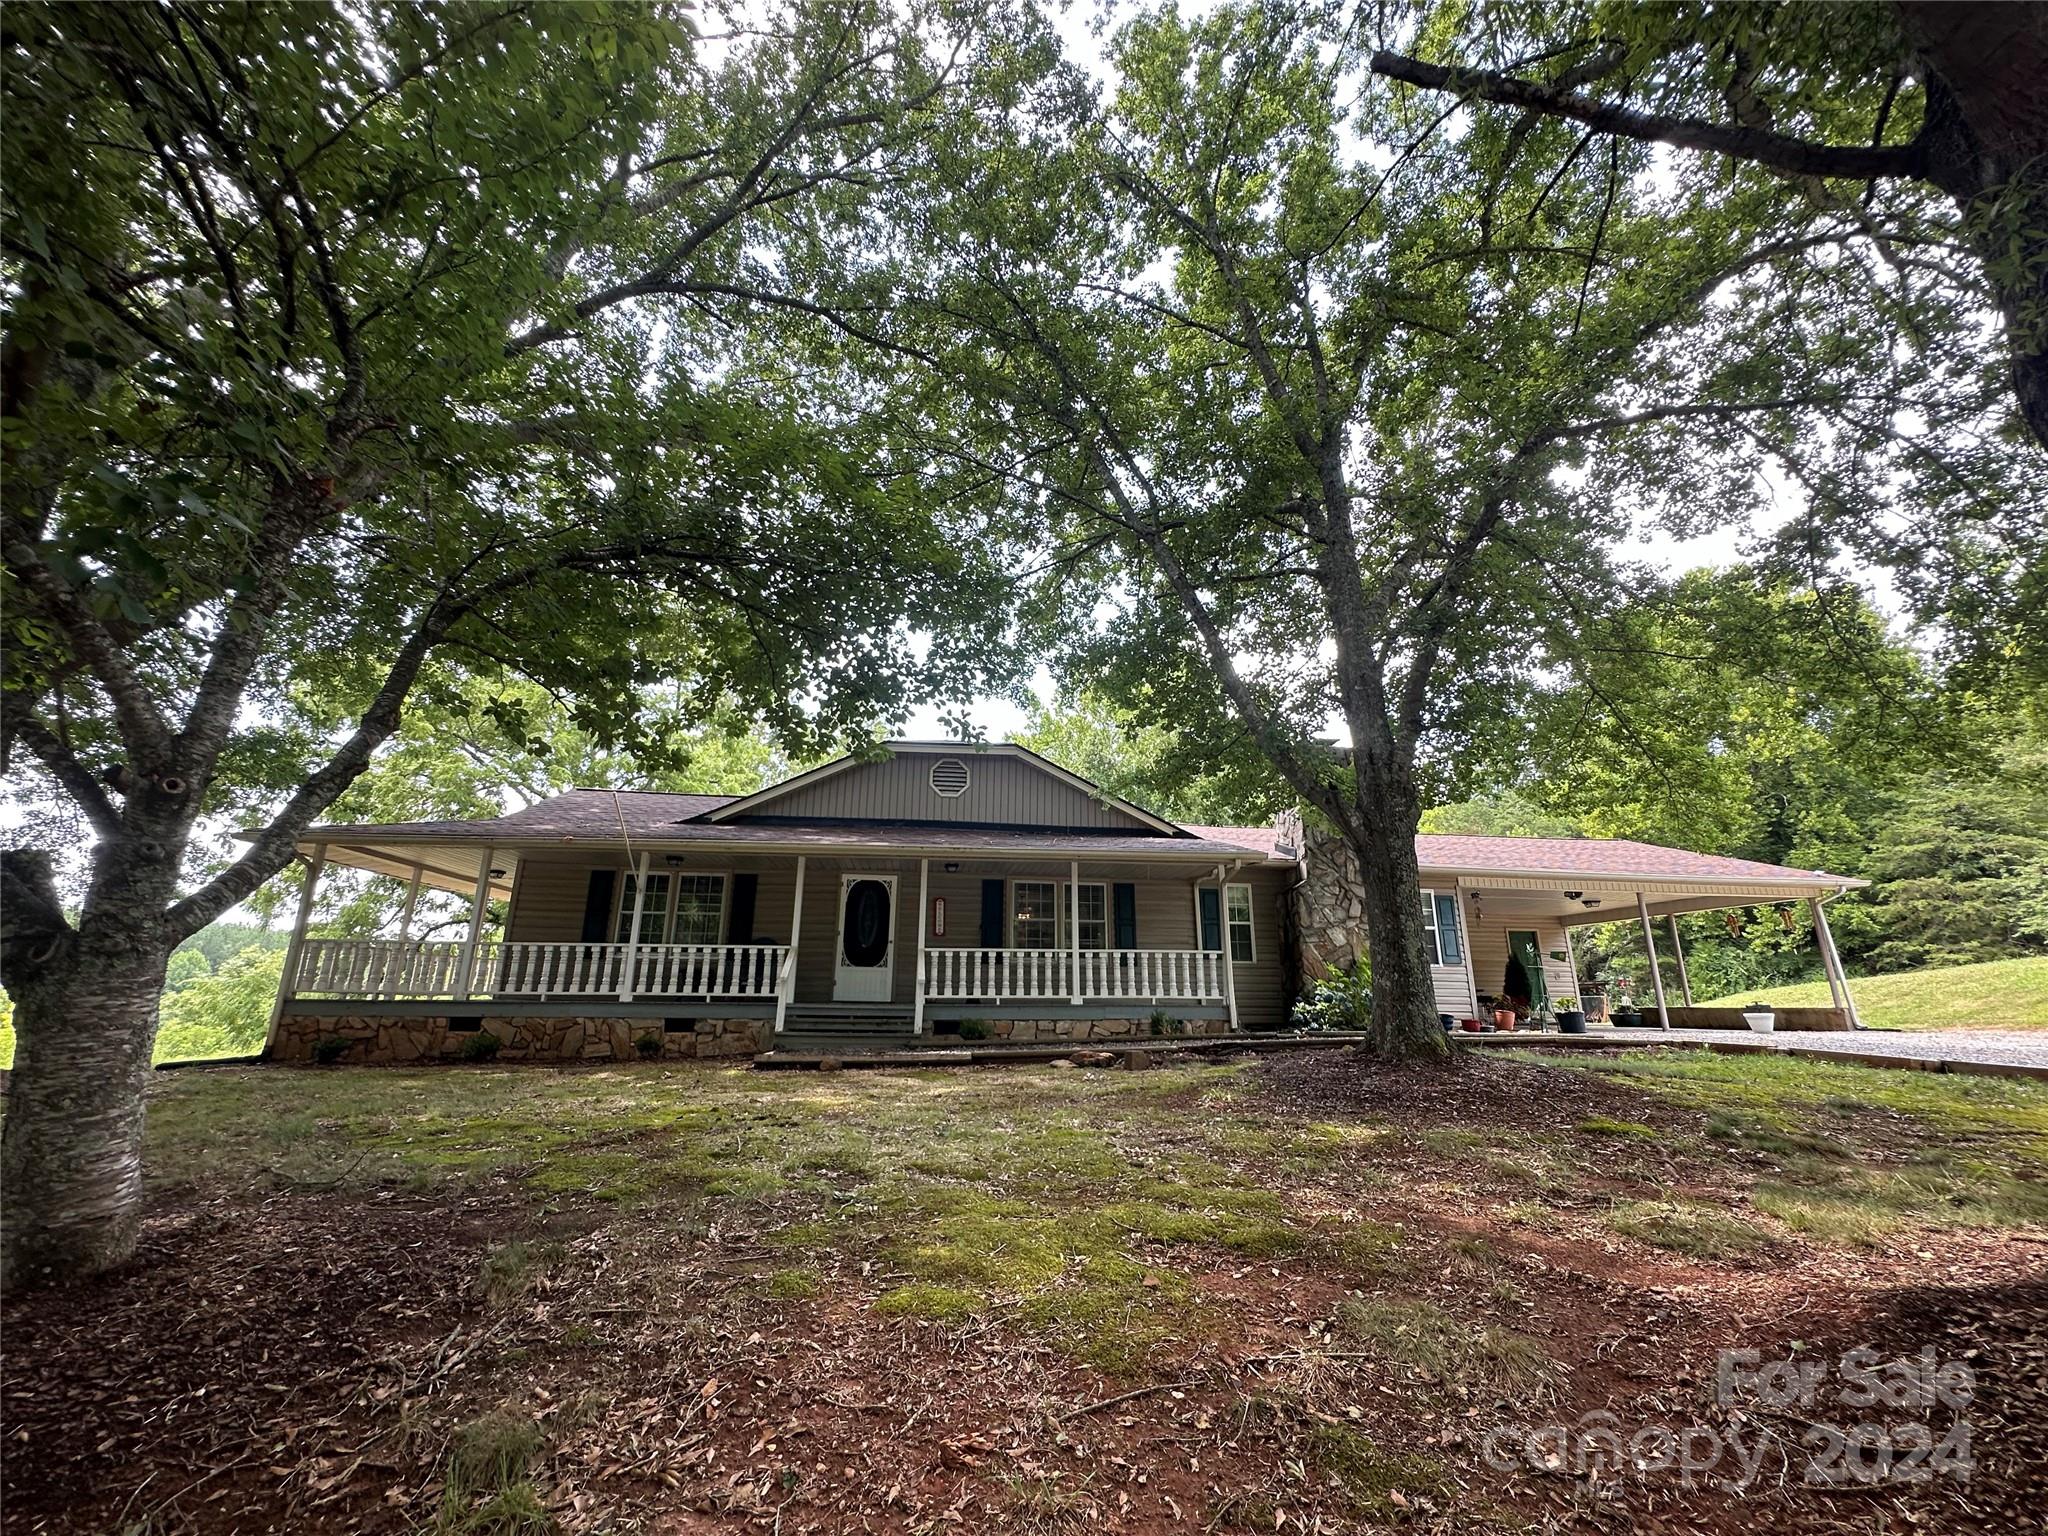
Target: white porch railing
1109, 975
423, 969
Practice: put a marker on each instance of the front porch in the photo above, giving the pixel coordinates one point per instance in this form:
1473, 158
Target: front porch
693, 954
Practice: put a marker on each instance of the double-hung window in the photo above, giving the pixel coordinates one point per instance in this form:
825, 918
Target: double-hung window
1445, 943
1237, 912
680, 909
700, 909
1228, 912
1092, 904
1035, 924
653, 913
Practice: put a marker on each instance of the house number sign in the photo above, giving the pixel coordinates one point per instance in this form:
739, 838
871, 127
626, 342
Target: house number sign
938, 917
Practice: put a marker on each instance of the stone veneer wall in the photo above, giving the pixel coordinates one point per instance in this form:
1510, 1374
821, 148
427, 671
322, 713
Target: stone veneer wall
1329, 904
1062, 1031
392, 1040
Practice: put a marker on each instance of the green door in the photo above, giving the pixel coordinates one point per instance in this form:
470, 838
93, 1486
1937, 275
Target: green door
1522, 945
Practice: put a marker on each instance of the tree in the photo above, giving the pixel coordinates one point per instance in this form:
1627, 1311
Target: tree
1153, 764
340, 339
1863, 108
1344, 420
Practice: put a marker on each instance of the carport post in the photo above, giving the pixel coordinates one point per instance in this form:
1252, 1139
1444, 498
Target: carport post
1831, 962
1650, 949
288, 982
1678, 954
1073, 932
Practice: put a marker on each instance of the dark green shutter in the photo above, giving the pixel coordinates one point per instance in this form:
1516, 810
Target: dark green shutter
1448, 937
1126, 899
991, 914
597, 906
1211, 900
739, 915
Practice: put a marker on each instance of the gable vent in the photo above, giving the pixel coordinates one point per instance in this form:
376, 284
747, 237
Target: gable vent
949, 778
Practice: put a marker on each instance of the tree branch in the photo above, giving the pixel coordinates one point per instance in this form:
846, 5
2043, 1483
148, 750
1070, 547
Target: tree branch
1778, 151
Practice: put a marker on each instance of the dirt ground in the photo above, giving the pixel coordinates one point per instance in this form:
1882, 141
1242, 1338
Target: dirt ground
1306, 1293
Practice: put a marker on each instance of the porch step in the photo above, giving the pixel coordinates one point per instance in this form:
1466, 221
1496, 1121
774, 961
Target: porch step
814, 1042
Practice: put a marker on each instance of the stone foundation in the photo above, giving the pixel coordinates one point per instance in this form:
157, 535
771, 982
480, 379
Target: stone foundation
1063, 1031
383, 1040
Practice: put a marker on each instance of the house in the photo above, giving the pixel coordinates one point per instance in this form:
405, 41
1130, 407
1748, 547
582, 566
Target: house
900, 894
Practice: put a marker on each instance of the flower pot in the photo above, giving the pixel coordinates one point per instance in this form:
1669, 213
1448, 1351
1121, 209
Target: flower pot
1571, 1021
1503, 1018
1626, 1018
1473, 1026
1763, 1020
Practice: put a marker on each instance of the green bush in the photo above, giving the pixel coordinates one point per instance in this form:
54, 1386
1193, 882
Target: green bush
481, 1046
332, 1049
1340, 1000
648, 1044
974, 1029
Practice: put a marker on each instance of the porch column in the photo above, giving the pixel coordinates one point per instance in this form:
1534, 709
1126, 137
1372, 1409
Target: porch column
785, 989
288, 983
412, 902
1223, 916
1074, 932
1678, 954
630, 972
1571, 958
1465, 942
479, 908
924, 907
1831, 962
1650, 949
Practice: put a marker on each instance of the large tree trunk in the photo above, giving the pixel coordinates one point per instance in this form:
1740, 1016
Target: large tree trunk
71, 1162
1388, 809
1987, 147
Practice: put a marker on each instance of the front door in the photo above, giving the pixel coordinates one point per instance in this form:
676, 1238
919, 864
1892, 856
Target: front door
1523, 951
865, 972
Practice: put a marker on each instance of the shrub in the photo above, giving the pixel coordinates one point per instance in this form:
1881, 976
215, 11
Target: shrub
332, 1049
1164, 1023
974, 1029
648, 1044
481, 1046
1340, 1000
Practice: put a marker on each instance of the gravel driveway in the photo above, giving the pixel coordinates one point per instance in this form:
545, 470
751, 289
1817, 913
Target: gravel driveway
2002, 1047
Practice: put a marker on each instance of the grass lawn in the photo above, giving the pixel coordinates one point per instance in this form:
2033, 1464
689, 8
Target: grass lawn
1306, 1293
1999, 994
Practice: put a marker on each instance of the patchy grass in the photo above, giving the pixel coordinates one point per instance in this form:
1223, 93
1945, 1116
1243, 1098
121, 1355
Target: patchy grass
1445, 1347
1688, 1227
1997, 994
1288, 1296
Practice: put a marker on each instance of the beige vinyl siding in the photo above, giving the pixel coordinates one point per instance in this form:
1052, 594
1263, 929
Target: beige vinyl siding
1490, 950
1005, 791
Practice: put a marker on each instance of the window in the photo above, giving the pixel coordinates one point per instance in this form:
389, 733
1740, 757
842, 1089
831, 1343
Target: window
1036, 924
1237, 907
1094, 916
700, 909
653, 916
680, 909
1440, 927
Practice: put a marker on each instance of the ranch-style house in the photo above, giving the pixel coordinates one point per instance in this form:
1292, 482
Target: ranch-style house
897, 896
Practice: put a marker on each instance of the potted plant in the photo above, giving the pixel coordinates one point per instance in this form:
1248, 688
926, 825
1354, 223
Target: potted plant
1594, 1003
1624, 1014
1760, 1016
1571, 1019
